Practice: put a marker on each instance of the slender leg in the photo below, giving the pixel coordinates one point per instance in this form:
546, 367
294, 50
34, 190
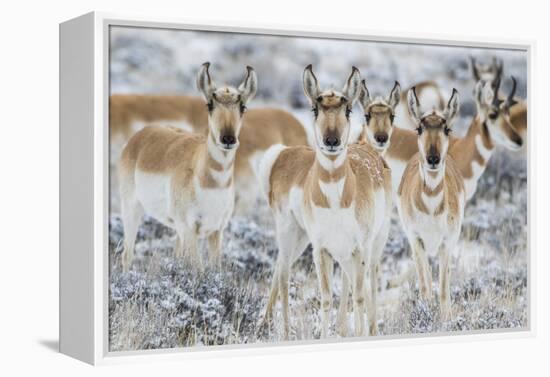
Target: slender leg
444, 283
359, 299
284, 271
323, 265
188, 245
374, 267
290, 238
214, 248
342, 317
355, 269
422, 268
273, 293
374, 272
132, 213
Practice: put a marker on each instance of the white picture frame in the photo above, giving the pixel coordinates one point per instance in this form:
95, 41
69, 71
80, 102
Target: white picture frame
84, 140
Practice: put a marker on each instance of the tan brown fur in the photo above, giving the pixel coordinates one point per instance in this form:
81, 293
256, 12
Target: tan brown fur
518, 118
431, 197
125, 109
261, 127
185, 180
297, 167
313, 190
466, 150
168, 150
413, 185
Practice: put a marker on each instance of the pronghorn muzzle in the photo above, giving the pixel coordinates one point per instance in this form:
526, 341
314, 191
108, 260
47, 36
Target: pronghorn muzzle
228, 140
332, 140
433, 157
381, 138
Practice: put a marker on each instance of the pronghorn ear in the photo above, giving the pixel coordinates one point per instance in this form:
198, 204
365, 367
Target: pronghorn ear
311, 85
249, 86
453, 105
364, 95
475, 70
353, 85
395, 95
413, 105
205, 83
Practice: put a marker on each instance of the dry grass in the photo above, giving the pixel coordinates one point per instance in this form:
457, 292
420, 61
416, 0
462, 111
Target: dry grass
163, 304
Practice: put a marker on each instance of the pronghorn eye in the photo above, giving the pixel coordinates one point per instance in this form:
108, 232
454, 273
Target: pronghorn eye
210, 106
367, 117
392, 117
348, 112
242, 108
447, 130
419, 130
493, 115
315, 111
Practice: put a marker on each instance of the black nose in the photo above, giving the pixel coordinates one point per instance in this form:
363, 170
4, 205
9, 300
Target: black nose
332, 141
228, 139
381, 137
433, 159
519, 141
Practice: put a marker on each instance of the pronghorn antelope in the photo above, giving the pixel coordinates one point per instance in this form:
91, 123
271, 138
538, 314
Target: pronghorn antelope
186, 180
428, 93
336, 196
486, 72
431, 197
491, 126
261, 128
493, 73
379, 116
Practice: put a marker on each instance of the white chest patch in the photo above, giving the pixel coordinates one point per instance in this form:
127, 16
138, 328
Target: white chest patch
333, 191
221, 177
432, 202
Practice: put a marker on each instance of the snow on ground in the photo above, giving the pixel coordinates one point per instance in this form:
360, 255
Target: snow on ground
162, 303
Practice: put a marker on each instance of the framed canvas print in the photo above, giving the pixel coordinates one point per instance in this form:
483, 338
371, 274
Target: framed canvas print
233, 188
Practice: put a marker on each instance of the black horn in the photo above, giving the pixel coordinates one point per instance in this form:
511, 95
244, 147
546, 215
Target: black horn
510, 101
474, 68
499, 67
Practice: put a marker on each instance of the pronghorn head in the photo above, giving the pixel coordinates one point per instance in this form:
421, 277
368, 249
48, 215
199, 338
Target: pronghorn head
486, 72
379, 115
332, 111
494, 113
226, 106
433, 129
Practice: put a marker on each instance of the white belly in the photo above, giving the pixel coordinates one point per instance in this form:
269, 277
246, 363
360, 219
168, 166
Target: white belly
212, 209
153, 192
209, 211
336, 230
